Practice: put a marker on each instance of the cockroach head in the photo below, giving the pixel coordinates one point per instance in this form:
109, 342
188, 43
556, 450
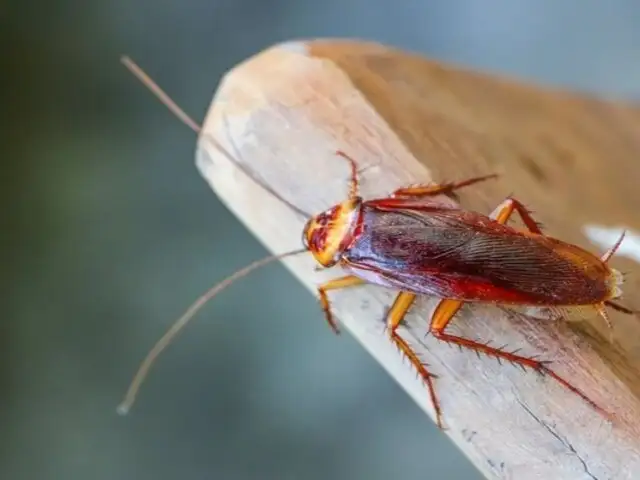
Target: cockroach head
330, 233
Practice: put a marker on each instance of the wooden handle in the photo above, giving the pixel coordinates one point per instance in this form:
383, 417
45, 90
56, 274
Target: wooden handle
575, 161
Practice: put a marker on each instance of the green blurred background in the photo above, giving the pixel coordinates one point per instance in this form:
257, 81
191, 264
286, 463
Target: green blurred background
109, 233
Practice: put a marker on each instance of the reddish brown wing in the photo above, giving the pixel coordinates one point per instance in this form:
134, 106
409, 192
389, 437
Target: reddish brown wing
464, 255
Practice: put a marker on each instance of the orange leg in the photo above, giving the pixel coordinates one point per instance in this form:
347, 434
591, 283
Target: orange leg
614, 248
621, 308
443, 314
435, 188
447, 308
335, 284
353, 183
503, 212
396, 313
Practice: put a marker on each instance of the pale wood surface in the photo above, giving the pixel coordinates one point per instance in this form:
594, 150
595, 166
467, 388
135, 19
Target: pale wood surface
406, 119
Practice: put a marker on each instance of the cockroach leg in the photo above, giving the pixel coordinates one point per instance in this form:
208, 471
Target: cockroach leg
395, 315
600, 308
503, 212
443, 315
435, 188
353, 183
621, 308
335, 284
609, 253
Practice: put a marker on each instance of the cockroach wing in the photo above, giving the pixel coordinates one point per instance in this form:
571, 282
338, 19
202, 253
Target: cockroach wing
467, 256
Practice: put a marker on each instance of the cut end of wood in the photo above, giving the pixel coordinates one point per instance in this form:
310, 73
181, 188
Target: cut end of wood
285, 112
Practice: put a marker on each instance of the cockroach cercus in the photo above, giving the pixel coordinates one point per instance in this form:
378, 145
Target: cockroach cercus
418, 245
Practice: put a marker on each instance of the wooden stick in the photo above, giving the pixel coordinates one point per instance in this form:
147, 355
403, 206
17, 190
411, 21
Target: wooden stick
575, 161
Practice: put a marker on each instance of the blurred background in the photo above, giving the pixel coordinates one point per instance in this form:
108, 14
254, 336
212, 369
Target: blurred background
109, 233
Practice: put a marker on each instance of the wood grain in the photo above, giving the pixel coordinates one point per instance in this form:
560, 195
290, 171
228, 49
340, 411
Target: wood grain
574, 160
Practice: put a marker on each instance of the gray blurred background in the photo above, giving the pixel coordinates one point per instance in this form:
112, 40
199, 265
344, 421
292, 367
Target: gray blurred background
109, 233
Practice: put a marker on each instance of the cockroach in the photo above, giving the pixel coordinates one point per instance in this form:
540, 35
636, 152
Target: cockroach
415, 243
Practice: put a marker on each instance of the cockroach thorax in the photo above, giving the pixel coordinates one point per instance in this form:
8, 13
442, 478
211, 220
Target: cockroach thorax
330, 233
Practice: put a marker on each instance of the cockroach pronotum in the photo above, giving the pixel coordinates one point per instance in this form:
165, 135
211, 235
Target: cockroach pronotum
416, 244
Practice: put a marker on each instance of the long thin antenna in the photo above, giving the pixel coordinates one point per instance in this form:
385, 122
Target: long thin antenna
162, 96
173, 107
166, 339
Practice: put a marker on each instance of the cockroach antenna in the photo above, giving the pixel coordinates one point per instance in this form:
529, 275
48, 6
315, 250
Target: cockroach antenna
193, 125
162, 96
179, 325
